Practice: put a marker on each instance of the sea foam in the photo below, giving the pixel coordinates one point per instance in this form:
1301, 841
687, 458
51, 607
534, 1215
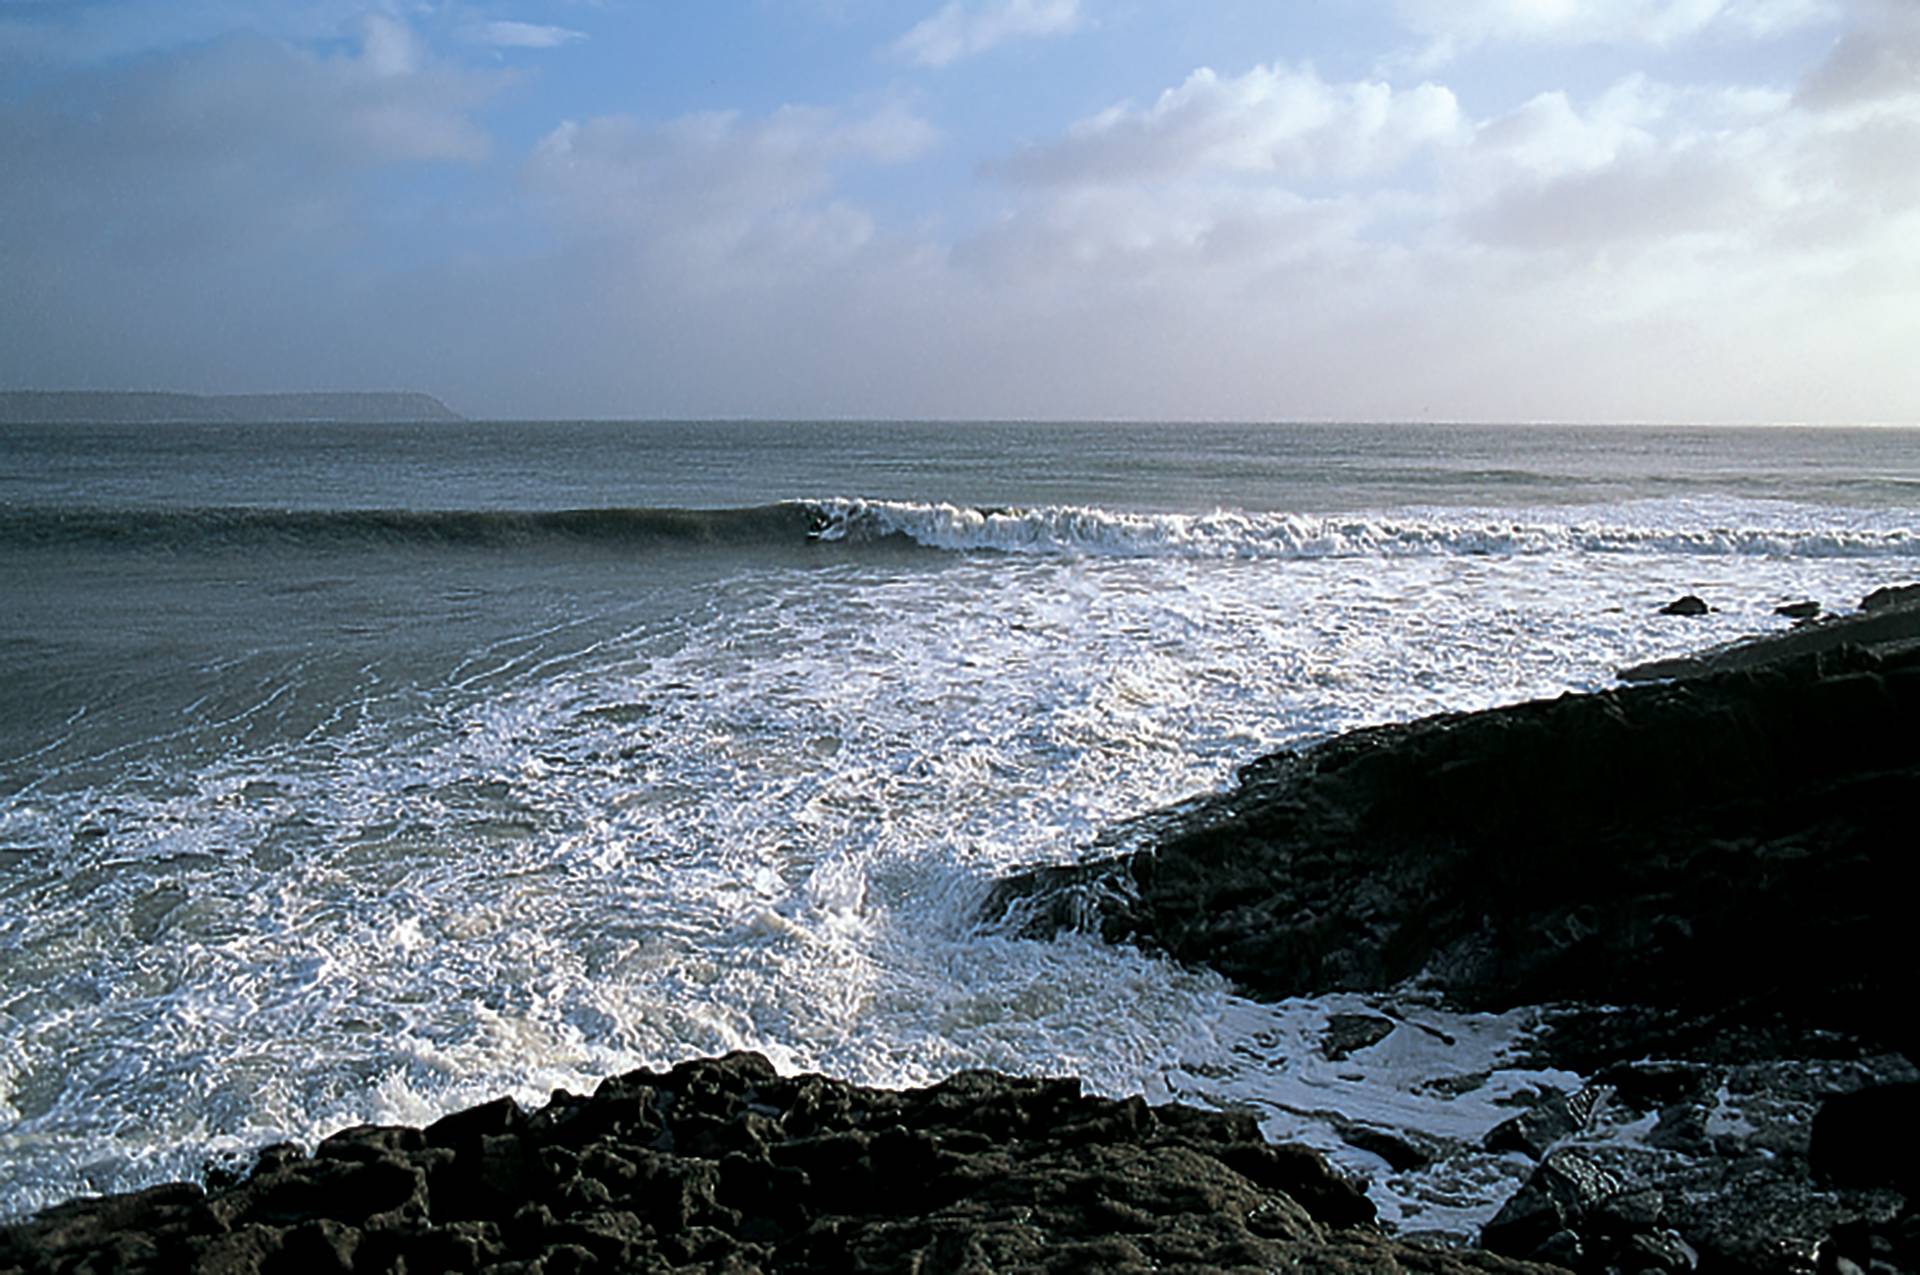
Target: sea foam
1068, 530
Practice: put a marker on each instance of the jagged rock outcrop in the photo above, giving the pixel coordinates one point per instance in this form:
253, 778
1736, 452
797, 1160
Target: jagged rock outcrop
1715, 871
725, 1166
1738, 840
1888, 621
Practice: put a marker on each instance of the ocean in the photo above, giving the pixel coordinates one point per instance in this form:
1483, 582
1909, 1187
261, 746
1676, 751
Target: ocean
363, 772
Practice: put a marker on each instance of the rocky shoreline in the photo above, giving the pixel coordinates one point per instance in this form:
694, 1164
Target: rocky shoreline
1703, 878
723, 1165
1708, 875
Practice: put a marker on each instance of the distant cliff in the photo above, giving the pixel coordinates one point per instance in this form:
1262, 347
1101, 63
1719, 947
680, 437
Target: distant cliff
143, 407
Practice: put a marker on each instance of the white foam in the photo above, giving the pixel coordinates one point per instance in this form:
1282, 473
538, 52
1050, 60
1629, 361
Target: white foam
1642, 528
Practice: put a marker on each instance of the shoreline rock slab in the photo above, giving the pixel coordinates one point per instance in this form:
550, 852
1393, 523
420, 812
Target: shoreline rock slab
1736, 841
1887, 623
723, 1165
1709, 878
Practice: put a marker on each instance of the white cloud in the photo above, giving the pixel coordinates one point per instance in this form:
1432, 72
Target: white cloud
523, 35
1265, 242
1654, 251
1278, 120
966, 27
1548, 136
1732, 176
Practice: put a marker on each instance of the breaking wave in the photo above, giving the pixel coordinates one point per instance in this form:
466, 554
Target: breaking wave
1066, 530
1056, 530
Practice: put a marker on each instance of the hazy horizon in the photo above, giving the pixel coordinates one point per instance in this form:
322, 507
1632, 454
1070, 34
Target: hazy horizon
1488, 211
915, 421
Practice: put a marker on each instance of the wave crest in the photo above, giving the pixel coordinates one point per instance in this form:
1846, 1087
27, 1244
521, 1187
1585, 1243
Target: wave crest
1054, 530
1071, 530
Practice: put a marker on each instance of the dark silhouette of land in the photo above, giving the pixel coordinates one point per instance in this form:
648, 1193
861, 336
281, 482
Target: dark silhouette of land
141, 407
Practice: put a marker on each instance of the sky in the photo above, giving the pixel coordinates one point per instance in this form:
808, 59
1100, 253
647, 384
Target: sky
1488, 210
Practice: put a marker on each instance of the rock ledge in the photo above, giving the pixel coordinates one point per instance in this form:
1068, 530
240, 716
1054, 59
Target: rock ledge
723, 1165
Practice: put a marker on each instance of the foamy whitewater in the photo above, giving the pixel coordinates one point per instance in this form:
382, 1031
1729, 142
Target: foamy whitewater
358, 773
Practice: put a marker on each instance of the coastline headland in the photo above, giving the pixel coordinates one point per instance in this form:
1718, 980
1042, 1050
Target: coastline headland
146, 407
1705, 878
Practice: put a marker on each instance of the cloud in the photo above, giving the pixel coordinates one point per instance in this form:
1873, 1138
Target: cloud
183, 207
1452, 27
1279, 120
1653, 251
246, 104
1738, 175
1549, 136
523, 35
1877, 61
1263, 241
966, 27
728, 192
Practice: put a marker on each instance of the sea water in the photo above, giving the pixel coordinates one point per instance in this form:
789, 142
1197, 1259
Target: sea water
359, 773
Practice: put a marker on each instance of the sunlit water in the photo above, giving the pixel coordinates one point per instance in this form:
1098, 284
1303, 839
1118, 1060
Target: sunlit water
310, 817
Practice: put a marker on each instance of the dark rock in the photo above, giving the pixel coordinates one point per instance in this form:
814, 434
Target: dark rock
1733, 845
1562, 1248
723, 1165
1886, 631
1687, 605
1400, 1153
370, 1142
1798, 610
1348, 1032
1553, 1118
1660, 1251
467, 1128
1721, 1183
299, 1190
1870, 1137
1631, 1212
1553, 1204
1896, 595
1650, 1085
1717, 867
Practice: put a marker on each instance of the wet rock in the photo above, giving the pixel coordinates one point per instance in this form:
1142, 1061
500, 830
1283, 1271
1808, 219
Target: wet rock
1798, 610
1401, 1153
723, 1165
1348, 1032
1885, 630
1659, 1251
1898, 595
1710, 873
1545, 1216
1687, 605
1722, 1180
1734, 843
1554, 1118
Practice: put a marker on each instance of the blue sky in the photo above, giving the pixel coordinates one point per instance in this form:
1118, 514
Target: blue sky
1360, 209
